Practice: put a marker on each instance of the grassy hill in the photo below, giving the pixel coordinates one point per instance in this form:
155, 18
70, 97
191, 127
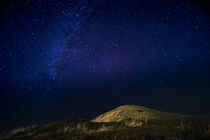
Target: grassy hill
128, 122
133, 112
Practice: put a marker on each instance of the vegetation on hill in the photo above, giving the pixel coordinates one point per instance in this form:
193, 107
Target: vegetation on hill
122, 123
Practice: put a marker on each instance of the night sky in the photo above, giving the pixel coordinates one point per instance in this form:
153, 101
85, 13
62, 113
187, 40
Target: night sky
77, 59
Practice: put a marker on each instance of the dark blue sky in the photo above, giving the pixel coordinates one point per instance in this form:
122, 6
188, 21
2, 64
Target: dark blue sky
63, 59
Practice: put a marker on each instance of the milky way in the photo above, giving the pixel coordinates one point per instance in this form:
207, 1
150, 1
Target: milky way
74, 39
146, 52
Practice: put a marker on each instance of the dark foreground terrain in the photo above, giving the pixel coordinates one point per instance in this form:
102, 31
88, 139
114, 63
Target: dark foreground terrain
122, 123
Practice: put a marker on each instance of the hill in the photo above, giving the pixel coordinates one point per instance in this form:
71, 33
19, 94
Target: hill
127, 122
133, 112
